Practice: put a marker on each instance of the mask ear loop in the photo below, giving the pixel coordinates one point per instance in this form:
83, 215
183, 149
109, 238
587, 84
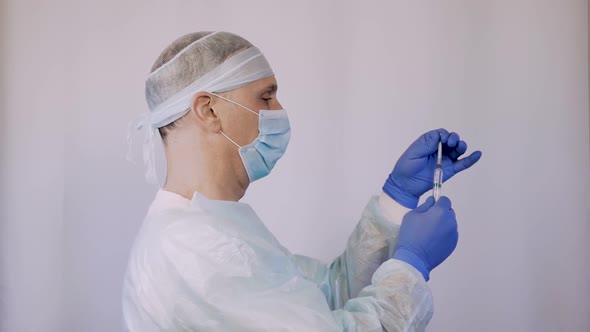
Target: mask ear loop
231, 140
237, 104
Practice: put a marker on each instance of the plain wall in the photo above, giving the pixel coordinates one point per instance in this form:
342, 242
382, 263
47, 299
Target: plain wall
361, 81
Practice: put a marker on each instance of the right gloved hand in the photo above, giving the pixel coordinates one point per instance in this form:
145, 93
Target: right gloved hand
413, 172
428, 235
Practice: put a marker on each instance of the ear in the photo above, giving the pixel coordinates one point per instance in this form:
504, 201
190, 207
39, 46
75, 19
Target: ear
207, 119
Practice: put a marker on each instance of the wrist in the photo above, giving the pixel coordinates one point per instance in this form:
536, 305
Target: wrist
401, 196
414, 260
392, 210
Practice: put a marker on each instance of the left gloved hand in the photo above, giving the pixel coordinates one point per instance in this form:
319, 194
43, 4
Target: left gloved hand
428, 235
413, 173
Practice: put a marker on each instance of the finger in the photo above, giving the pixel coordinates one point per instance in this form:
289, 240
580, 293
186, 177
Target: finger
444, 135
453, 140
444, 202
458, 151
426, 144
453, 214
455, 239
426, 205
461, 147
453, 219
465, 163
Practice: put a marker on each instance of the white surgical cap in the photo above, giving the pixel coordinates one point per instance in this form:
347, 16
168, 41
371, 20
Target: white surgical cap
236, 71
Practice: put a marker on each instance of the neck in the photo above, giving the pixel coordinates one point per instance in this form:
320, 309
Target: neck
200, 169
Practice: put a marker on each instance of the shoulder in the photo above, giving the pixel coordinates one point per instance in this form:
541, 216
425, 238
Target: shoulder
184, 247
190, 240
167, 257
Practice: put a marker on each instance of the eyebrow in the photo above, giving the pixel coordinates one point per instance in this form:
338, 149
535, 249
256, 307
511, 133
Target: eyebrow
272, 88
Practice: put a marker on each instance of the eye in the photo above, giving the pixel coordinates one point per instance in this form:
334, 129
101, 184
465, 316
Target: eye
266, 99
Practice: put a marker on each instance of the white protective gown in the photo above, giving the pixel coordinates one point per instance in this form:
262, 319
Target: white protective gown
206, 265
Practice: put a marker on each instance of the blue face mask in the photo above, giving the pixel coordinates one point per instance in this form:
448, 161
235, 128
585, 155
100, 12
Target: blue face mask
260, 156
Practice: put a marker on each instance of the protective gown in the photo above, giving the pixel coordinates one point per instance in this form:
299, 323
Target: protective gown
206, 265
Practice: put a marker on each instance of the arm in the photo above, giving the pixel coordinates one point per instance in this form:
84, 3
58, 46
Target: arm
224, 283
374, 239
428, 235
398, 299
371, 243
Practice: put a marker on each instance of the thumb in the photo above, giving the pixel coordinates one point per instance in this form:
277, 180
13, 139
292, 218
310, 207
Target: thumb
444, 202
425, 206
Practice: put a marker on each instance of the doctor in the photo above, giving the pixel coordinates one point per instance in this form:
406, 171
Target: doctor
203, 261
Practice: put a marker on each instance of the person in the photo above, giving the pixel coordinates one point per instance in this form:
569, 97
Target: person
203, 261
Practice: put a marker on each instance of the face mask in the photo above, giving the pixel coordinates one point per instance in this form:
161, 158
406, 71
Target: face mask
260, 156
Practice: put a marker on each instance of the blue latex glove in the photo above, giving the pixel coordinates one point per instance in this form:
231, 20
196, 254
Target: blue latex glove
428, 235
413, 173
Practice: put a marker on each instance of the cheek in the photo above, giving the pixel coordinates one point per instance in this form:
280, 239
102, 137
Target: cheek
252, 128
245, 128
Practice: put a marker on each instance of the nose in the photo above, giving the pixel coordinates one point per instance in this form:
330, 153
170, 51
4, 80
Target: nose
276, 105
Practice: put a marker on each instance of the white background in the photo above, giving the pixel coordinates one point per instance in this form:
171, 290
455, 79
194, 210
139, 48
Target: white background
361, 81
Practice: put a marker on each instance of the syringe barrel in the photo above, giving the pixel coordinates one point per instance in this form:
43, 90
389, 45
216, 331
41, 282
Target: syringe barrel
437, 183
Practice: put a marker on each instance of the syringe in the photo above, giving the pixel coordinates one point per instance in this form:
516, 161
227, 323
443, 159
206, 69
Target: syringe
438, 174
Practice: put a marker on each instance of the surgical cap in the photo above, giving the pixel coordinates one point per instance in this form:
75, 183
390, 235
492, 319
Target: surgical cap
167, 102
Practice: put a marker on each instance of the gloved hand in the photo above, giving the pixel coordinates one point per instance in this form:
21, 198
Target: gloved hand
413, 173
428, 235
